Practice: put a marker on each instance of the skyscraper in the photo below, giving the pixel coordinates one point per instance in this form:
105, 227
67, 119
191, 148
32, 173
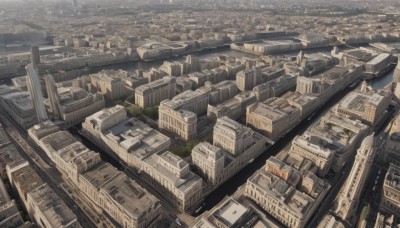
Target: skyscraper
53, 96
35, 55
34, 86
348, 200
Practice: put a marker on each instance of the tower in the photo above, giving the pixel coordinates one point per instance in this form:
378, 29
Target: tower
53, 96
34, 86
348, 200
35, 55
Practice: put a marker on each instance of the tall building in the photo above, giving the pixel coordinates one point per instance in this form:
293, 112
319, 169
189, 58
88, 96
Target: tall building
248, 79
290, 195
365, 105
35, 55
154, 92
390, 201
72, 104
349, 196
34, 86
116, 85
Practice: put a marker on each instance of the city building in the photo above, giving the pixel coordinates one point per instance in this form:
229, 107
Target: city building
130, 140
72, 104
392, 145
42, 204
179, 115
287, 194
390, 202
273, 117
248, 79
342, 135
8, 154
171, 176
154, 92
119, 196
231, 136
275, 87
231, 213
329, 221
349, 196
47, 209
116, 85
318, 150
365, 105
385, 220
9, 213
35, 89
234, 108
220, 92
154, 74
20, 108
234, 147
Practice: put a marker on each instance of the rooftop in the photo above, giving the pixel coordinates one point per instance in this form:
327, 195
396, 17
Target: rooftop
127, 193
52, 207
100, 174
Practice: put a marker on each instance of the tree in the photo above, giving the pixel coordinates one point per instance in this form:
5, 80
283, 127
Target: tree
134, 110
151, 112
131, 98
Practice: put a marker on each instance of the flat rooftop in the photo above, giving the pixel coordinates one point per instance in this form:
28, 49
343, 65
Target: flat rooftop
126, 192
100, 174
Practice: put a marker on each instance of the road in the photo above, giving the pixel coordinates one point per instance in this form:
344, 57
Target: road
44, 167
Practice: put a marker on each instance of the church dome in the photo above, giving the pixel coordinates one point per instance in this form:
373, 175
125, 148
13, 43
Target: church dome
369, 141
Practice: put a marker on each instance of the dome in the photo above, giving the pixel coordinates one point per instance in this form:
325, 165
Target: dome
369, 141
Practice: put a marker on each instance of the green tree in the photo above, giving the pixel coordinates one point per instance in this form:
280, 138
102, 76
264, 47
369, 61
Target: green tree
151, 112
133, 110
131, 98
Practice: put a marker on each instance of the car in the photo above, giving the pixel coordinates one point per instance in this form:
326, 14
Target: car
178, 221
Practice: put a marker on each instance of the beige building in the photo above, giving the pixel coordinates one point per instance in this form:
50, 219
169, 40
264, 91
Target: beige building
9, 213
116, 85
47, 209
365, 105
220, 92
390, 201
231, 213
248, 79
171, 176
234, 108
285, 193
275, 87
210, 162
43, 205
392, 145
154, 74
340, 133
234, 147
20, 107
154, 92
72, 104
348, 199
231, 136
318, 150
179, 115
274, 117
121, 198
8, 154
129, 140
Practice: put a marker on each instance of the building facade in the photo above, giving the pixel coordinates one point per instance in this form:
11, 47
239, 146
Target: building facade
154, 92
